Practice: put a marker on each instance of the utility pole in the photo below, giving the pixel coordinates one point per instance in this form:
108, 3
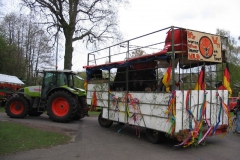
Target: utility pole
57, 53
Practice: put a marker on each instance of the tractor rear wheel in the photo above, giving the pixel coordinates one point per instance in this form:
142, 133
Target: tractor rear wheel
61, 106
79, 114
17, 107
82, 109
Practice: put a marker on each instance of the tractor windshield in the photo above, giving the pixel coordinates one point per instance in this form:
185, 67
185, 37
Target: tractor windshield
62, 79
71, 81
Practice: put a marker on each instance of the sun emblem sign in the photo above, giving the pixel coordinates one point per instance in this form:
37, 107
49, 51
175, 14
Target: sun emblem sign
206, 47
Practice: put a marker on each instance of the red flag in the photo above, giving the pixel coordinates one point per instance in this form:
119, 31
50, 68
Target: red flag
94, 102
200, 85
167, 79
85, 85
226, 81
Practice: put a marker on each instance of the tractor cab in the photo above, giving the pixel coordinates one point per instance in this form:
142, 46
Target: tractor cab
56, 78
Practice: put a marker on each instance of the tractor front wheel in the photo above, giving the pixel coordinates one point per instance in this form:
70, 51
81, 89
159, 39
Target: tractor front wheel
61, 106
17, 107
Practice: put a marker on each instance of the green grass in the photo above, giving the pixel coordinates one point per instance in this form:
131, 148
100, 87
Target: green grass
17, 137
93, 113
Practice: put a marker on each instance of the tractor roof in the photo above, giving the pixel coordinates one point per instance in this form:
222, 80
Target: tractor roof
54, 70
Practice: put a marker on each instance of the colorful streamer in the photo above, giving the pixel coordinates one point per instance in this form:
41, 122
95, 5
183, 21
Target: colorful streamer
196, 132
94, 102
226, 109
171, 111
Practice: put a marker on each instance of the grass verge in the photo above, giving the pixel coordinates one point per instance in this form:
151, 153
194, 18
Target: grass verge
17, 137
94, 113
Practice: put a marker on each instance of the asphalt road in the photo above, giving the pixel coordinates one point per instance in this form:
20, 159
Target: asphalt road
92, 142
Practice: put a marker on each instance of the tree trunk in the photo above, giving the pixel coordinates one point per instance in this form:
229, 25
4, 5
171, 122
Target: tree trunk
68, 51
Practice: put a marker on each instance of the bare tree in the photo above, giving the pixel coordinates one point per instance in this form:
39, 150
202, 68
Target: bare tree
1, 6
9, 28
30, 47
92, 21
232, 48
137, 52
233, 59
37, 47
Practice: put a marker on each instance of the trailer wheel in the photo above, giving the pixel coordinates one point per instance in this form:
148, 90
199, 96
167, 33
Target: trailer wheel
104, 122
61, 106
153, 136
17, 107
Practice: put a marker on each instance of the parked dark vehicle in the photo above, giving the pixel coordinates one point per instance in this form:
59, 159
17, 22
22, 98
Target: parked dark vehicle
232, 102
8, 86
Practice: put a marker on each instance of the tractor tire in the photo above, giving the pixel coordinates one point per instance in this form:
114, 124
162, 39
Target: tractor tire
17, 107
61, 106
79, 114
104, 122
82, 109
34, 113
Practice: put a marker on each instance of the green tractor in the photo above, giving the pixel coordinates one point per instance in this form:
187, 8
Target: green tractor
57, 95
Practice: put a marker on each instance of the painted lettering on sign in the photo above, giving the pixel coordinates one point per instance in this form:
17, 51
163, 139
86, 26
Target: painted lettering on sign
215, 41
36, 89
203, 46
190, 35
216, 58
193, 56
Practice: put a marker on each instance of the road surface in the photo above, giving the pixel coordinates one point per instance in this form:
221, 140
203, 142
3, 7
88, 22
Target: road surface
92, 142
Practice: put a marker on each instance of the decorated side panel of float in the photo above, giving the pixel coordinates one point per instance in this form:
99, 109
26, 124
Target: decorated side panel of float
179, 91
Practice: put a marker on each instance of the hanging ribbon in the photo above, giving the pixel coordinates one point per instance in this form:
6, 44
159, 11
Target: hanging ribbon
94, 102
224, 107
129, 100
196, 132
134, 102
115, 101
171, 111
191, 134
202, 116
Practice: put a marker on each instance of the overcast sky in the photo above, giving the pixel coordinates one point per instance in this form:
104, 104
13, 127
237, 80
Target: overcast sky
144, 16
204, 15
